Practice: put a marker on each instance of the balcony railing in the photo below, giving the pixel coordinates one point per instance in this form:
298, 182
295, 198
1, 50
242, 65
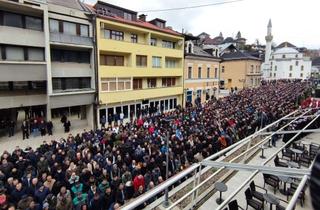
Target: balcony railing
144, 43
70, 39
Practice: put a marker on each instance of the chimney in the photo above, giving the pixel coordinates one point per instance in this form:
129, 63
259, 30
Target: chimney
169, 27
143, 17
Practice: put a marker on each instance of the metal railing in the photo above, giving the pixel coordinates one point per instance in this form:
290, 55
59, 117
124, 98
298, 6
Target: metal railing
150, 194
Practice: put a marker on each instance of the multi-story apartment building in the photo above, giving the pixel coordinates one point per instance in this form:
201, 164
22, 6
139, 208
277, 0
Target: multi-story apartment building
239, 70
23, 61
71, 73
201, 72
140, 63
46, 61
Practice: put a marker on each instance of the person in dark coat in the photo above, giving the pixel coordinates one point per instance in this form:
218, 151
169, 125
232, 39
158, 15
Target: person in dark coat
42, 128
17, 193
49, 128
11, 125
25, 130
108, 198
67, 125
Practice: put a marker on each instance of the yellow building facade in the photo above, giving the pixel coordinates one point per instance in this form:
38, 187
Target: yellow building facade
140, 66
240, 70
201, 74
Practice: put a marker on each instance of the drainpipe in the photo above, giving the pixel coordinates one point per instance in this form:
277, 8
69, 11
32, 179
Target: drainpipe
93, 18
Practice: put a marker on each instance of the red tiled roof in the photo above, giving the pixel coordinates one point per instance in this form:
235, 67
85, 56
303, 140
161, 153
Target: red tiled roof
137, 23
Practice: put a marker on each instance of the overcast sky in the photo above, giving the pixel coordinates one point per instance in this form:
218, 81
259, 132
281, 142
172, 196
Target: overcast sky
296, 21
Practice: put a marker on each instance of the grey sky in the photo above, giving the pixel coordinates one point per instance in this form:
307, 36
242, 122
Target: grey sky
295, 21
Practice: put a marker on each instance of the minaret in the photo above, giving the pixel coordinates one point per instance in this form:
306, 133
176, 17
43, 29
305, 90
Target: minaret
269, 38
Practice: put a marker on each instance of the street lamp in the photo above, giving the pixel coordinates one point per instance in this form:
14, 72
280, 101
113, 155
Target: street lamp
166, 195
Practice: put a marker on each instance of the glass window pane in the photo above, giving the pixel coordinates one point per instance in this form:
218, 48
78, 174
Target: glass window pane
34, 23
10, 19
57, 84
23, 85
54, 25
15, 53
69, 28
84, 30
35, 54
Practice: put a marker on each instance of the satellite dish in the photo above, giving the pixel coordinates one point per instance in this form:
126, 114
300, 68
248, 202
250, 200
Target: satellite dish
180, 42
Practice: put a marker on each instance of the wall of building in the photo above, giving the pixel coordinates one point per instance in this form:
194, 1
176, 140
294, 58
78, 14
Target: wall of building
207, 85
238, 73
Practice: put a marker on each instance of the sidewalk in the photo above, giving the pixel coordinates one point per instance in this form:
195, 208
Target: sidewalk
10, 144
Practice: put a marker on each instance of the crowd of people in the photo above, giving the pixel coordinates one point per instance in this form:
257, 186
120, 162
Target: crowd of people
104, 169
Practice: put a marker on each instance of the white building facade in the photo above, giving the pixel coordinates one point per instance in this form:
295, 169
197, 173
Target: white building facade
284, 62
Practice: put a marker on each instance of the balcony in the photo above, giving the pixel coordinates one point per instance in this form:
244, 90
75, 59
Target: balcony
70, 39
60, 69
22, 98
136, 48
22, 71
20, 36
131, 95
124, 71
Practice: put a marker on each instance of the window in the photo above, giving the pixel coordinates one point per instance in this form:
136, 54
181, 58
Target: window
199, 72
156, 62
108, 84
21, 85
168, 82
222, 69
127, 16
297, 63
11, 19
153, 42
171, 63
216, 73
189, 72
84, 30
54, 25
189, 48
274, 74
111, 34
141, 60
302, 68
208, 72
270, 74
134, 38
168, 44
275, 68
111, 60
152, 82
290, 67
290, 74
14, 53
58, 55
69, 28
117, 35
251, 69
137, 84
33, 23
71, 83
124, 83
296, 55
301, 74
283, 56
160, 24
35, 54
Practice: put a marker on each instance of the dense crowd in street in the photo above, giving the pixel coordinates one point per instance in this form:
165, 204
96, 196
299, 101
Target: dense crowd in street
104, 169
